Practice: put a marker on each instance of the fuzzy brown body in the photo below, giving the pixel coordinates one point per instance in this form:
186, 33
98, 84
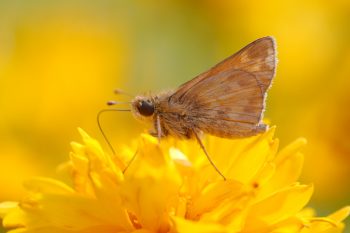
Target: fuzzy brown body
226, 101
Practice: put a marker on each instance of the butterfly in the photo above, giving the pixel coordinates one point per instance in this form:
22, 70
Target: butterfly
227, 101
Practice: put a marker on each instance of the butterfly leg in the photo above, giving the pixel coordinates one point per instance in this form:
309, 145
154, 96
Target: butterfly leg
206, 154
159, 129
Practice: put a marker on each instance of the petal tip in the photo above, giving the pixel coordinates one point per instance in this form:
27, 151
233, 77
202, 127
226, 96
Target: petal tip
149, 139
82, 133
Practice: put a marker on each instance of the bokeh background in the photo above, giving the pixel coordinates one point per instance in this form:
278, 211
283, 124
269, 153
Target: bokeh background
61, 60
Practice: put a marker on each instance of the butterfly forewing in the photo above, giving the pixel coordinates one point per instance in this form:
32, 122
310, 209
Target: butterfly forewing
228, 100
258, 58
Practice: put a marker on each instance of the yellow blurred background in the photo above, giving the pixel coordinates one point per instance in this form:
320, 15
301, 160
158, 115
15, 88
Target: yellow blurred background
61, 60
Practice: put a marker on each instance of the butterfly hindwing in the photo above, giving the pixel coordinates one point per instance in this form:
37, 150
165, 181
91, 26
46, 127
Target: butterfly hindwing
236, 112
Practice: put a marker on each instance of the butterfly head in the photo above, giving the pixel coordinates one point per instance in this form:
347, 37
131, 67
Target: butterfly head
143, 107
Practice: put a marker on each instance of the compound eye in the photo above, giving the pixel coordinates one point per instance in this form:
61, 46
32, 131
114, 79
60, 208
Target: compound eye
145, 108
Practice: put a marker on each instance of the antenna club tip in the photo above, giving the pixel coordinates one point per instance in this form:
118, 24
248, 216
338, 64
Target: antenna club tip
111, 102
117, 91
121, 92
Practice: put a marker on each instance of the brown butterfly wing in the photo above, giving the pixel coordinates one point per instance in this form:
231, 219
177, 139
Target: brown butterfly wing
228, 100
229, 104
257, 58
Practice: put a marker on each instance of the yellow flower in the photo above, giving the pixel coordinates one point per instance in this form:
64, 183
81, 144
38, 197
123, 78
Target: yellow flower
171, 187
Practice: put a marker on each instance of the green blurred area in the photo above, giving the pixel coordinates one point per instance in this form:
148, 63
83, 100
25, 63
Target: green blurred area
61, 60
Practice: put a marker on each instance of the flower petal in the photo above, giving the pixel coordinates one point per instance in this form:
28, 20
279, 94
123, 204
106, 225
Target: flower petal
212, 196
332, 223
341, 214
187, 226
6, 207
253, 157
151, 183
47, 185
288, 165
279, 206
15, 217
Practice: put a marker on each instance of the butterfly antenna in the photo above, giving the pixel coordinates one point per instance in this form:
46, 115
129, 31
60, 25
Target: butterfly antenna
121, 92
100, 127
131, 160
113, 102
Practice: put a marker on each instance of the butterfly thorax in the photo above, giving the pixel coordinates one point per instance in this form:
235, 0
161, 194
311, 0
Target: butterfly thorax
175, 117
